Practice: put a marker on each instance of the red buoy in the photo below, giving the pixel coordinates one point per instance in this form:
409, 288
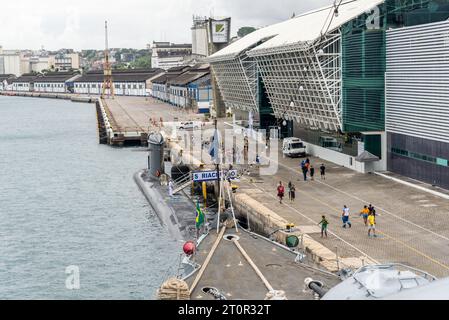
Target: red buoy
189, 248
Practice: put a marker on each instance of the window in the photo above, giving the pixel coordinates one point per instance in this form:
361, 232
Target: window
421, 157
442, 162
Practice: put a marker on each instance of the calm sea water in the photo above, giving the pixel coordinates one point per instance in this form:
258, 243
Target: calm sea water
66, 201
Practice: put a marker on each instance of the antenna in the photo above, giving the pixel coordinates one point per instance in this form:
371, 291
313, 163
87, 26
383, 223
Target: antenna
108, 87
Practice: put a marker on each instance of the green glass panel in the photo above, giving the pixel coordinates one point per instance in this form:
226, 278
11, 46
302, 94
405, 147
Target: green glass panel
442, 162
373, 144
364, 81
364, 59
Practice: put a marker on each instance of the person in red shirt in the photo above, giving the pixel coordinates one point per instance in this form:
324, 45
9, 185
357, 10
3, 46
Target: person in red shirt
281, 192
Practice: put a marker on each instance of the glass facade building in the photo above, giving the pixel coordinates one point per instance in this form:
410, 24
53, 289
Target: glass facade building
323, 71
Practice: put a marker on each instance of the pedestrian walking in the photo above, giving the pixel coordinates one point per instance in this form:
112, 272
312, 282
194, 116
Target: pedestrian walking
324, 225
312, 173
372, 210
345, 217
372, 225
292, 192
323, 172
374, 214
304, 169
281, 192
364, 214
258, 160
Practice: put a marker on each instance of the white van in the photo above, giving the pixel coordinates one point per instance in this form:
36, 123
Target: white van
294, 147
331, 143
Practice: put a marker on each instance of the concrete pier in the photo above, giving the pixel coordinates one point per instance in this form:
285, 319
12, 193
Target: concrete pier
129, 118
62, 96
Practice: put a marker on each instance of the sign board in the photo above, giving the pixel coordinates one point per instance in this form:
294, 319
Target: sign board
220, 30
204, 176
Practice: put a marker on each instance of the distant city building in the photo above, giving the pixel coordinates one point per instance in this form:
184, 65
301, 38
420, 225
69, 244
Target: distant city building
10, 62
23, 62
166, 55
65, 62
36, 64
127, 57
200, 37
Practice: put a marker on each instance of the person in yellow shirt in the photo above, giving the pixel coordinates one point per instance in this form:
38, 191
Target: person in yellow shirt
365, 213
372, 225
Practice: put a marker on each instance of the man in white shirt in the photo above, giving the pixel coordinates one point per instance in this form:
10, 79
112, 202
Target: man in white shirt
345, 217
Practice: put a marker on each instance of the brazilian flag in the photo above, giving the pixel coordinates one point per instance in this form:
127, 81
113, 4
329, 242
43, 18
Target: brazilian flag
200, 218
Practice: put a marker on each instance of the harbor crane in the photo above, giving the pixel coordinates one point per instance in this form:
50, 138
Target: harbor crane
108, 86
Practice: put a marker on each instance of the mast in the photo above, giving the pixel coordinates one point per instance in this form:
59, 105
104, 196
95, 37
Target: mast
108, 86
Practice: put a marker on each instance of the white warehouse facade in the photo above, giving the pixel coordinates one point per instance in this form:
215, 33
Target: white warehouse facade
55, 82
126, 82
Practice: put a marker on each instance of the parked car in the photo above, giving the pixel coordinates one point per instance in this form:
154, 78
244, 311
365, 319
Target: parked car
189, 126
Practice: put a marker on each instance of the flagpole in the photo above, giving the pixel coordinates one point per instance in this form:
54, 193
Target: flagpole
232, 208
217, 167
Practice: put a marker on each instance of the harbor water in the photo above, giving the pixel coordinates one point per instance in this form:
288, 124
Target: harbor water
68, 204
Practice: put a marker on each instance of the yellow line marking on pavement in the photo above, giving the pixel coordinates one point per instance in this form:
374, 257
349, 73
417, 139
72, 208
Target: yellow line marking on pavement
313, 221
363, 201
415, 250
387, 235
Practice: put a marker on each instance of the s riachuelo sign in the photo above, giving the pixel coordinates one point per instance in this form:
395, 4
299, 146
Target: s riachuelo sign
205, 176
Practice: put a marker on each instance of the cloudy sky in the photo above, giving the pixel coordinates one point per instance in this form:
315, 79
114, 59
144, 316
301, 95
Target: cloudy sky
78, 24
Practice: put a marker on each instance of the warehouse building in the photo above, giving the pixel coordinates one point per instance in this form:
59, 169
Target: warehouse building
160, 86
133, 82
25, 83
320, 76
166, 55
192, 89
5, 81
55, 82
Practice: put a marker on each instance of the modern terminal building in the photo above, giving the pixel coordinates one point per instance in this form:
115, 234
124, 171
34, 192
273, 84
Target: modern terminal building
331, 76
417, 102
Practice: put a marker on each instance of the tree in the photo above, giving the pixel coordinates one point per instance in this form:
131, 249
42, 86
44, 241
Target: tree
244, 31
142, 63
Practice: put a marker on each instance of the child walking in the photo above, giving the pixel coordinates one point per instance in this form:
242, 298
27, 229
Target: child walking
372, 225
324, 224
292, 192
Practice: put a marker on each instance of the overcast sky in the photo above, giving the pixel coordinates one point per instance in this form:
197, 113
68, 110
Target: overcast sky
78, 24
